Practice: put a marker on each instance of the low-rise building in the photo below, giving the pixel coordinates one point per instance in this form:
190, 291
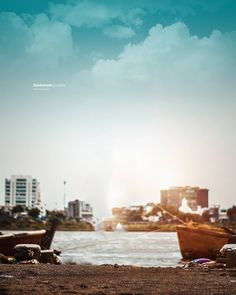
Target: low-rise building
223, 217
80, 210
195, 197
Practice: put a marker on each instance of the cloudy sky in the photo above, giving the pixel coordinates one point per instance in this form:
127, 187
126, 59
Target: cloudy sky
141, 96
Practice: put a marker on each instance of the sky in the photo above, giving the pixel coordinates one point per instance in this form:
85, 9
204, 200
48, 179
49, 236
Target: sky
120, 99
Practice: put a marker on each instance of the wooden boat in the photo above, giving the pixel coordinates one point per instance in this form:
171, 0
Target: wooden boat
8, 241
198, 241
41, 237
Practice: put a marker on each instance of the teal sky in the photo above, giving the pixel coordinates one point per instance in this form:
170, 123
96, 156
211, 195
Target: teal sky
147, 98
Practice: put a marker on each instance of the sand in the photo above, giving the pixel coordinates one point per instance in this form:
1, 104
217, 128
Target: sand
114, 279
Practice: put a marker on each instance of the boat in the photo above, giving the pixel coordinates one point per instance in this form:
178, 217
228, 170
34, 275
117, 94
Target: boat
200, 240
41, 237
9, 241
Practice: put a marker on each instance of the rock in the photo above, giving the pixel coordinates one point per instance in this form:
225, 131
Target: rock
231, 259
3, 259
228, 255
27, 252
56, 259
226, 248
47, 256
12, 260
57, 252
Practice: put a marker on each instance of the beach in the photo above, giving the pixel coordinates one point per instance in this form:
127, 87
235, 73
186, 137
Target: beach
114, 279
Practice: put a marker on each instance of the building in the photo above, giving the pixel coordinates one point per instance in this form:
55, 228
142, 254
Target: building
80, 210
214, 213
195, 197
73, 210
223, 216
22, 190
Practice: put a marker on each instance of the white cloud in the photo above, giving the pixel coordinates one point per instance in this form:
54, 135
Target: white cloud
52, 42
14, 35
99, 13
119, 32
170, 62
94, 14
84, 14
39, 43
133, 16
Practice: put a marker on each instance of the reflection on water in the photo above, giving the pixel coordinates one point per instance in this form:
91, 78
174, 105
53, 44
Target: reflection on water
128, 248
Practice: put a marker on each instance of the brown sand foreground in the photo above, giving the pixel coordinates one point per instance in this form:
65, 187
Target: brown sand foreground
109, 279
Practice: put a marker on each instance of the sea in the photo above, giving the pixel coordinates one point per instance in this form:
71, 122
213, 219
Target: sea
147, 249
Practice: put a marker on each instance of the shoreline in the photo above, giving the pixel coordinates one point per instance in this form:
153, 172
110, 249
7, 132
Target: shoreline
114, 279
127, 228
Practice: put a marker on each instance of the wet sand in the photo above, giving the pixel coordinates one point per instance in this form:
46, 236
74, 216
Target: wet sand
114, 279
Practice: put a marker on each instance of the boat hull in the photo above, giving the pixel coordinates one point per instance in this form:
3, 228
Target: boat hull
9, 241
197, 242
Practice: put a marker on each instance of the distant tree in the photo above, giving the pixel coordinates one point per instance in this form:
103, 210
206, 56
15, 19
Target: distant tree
3, 213
18, 209
55, 214
34, 212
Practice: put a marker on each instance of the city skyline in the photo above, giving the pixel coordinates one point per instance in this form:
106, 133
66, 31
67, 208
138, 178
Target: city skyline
119, 99
197, 203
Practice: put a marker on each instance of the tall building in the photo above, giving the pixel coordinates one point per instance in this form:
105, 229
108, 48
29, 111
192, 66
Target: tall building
80, 209
195, 197
73, 209
22, 190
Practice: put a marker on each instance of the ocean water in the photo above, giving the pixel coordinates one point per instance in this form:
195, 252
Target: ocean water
124, 248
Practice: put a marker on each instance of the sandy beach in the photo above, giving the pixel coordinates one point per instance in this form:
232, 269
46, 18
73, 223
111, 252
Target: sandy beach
114, 279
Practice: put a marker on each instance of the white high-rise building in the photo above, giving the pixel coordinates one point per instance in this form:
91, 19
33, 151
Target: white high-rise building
22, 190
